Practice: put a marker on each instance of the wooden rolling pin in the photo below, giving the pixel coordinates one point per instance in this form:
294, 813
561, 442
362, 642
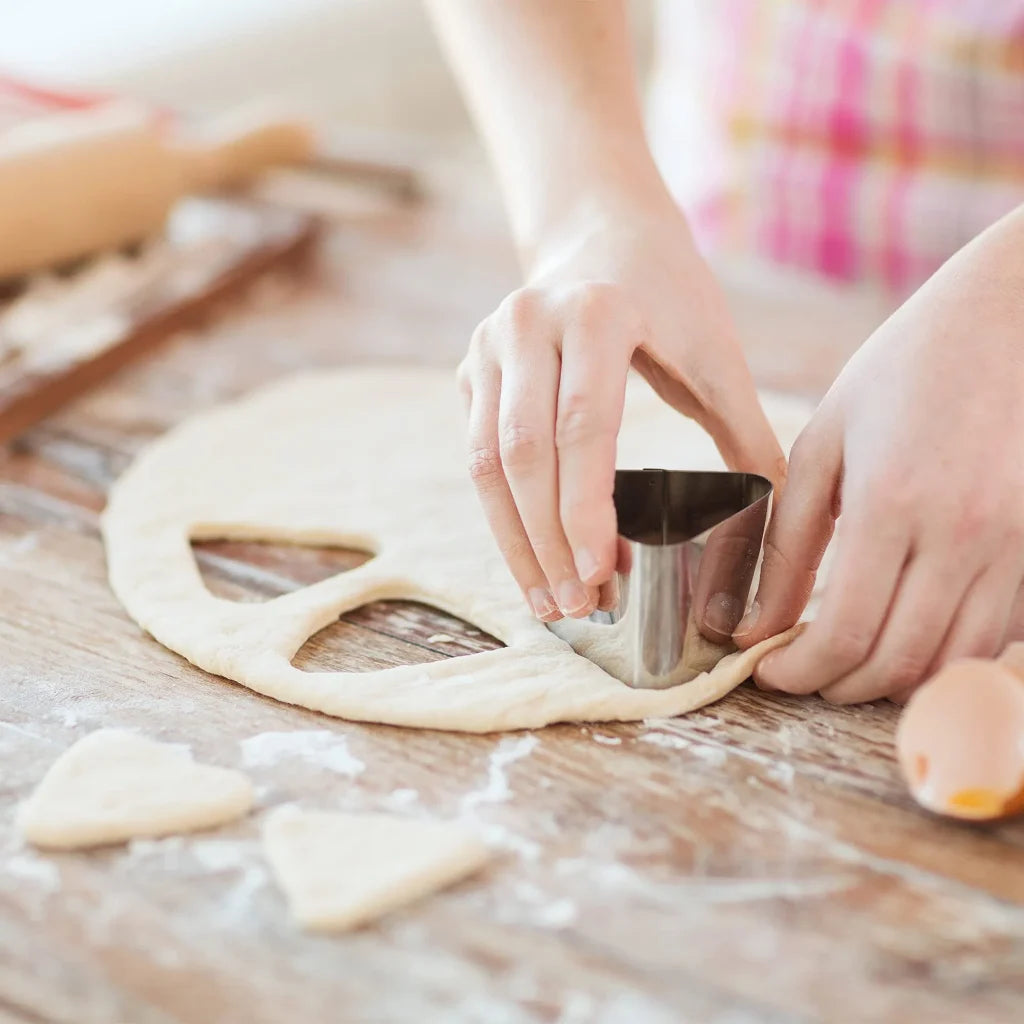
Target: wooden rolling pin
75, 183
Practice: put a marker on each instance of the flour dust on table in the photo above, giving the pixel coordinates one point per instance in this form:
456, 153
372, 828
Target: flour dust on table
375, 459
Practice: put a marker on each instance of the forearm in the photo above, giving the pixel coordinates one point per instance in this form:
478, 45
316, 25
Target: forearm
552, 88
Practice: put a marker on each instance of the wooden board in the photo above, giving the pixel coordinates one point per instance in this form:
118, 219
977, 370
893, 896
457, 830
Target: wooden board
758, 861
63, 333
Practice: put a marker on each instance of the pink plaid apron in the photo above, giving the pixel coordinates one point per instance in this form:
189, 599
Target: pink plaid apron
861, 139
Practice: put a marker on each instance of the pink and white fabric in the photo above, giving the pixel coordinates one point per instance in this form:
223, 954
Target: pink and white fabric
862, 139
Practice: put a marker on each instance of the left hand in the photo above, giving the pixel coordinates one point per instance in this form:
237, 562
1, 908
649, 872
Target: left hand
920, 443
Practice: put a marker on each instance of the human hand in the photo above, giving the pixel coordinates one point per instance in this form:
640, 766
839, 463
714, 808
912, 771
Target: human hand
919, 444
545, 382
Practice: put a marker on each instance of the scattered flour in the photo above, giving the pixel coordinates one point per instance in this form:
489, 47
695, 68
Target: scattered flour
558, 914
664, 739
169, 848
221, 854
28, 867
399, 799
714, 756
503, 838
508, 751
241, 858
542, 910
706, 889
608, 741
784, 772
321, 747
785, 735
705, 752
66, 717
216, 855
12, 551
441, 638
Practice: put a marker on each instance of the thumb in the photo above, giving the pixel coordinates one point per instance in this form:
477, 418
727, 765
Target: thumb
798, 534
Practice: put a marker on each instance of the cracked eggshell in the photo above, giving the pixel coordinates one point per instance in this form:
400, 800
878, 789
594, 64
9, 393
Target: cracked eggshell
960, 741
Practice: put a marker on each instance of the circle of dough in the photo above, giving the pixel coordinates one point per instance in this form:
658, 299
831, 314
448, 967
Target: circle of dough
374, 459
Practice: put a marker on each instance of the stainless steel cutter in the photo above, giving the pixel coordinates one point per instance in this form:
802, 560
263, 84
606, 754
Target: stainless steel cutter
688, 547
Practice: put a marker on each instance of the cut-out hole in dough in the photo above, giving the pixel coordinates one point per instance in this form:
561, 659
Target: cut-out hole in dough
238, 570
388, 633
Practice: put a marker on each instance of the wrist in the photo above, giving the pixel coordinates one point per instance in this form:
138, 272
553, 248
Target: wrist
594, 211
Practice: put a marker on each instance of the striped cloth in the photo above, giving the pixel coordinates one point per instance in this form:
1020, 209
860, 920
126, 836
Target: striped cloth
866, 140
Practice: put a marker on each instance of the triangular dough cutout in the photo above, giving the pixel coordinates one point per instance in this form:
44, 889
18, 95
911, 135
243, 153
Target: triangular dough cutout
114, 785
340, 871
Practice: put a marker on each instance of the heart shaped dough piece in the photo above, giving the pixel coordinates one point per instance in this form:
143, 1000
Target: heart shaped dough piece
113, 786
340, 871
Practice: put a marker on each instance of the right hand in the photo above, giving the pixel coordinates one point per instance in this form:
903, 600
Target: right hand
545, 380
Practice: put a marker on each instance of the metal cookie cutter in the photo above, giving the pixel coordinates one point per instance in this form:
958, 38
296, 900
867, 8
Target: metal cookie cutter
688, 547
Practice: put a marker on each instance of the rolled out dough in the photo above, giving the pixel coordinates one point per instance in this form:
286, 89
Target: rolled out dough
340, 871
113, 785
375, 459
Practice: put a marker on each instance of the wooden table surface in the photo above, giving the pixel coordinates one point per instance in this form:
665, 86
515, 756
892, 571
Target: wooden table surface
757, 861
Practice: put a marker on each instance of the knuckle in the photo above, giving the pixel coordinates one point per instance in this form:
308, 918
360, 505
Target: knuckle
805, 450
484, 464
980, 520
1013, 531
849, 646
518, 553
578, 422
521, 446
986, 641
520, 309
551, 552
777, 562
903, 669
597, 303
896, 499
477, 341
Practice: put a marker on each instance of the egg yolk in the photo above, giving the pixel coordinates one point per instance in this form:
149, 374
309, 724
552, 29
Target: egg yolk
985, 803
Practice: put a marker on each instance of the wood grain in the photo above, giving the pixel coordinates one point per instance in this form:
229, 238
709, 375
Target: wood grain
757, 861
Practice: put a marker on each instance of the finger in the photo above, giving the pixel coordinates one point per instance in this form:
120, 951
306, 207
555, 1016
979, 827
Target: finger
1015, 630
926, 603
860, 591
726, 568
526, 438
591, 396
799, 532
740, 429
983, 622
728, 409
464, 382
609, 595
903, 696
496, 499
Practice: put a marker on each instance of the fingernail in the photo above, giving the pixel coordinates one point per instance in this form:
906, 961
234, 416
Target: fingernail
586, 564
749, 621
763, 666
572, 597
722, 612
543, 604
